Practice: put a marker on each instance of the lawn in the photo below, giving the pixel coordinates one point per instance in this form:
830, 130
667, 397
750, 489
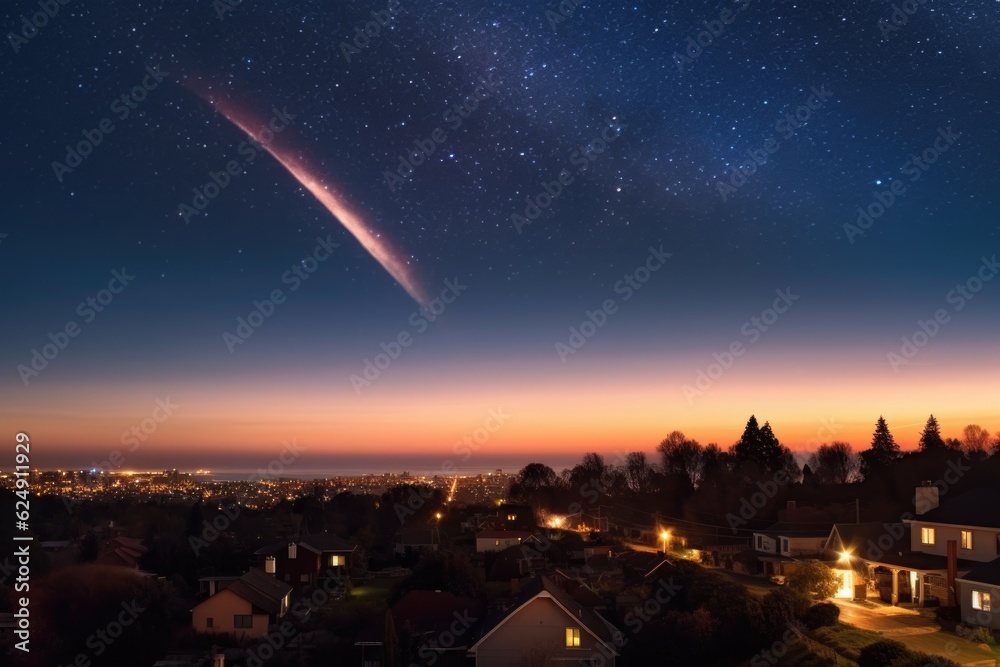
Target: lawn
846, 640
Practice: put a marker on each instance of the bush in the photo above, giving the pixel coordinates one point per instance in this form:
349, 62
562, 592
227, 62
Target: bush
983, 636
882, 653
948, 614
811, 577
821, 615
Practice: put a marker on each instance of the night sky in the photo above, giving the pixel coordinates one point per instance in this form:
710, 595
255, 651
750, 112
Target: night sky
685, 182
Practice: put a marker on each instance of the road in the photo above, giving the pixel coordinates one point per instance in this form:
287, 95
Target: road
918, 632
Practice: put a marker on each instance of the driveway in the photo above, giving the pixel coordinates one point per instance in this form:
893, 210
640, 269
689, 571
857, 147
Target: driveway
918, 632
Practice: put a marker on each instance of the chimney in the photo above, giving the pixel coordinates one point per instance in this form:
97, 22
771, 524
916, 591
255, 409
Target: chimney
926, 497
952, 571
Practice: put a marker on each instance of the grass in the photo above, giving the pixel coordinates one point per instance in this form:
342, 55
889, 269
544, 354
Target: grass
845, 639
374, 590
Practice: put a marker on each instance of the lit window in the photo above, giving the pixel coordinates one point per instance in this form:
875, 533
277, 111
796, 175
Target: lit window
512, 517
981, 601
292, 550
497, 543
572, 637
927, 536
269, 565
337, 561
967, 540
242, 621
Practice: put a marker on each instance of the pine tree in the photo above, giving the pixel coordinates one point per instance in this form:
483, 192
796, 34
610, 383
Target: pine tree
883, 453
930, 438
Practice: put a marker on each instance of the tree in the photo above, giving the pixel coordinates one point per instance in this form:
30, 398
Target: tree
682, 456
815, 579
759, 446
835, 463
533, 478
883, 453
638, 473
930, 437
976, 441
882, 652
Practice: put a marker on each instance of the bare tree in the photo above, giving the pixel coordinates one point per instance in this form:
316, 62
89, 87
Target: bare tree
638, 472
835, 463
976, 441
680, 455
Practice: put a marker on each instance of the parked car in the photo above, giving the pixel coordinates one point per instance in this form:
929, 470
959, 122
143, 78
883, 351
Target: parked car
778, 579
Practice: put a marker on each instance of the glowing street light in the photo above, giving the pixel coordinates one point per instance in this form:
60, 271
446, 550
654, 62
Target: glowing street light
845, 556
665, 536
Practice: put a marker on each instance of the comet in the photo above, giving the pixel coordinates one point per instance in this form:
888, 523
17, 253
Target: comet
330, 198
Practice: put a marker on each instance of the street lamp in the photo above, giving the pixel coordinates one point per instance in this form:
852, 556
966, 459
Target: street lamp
665, 536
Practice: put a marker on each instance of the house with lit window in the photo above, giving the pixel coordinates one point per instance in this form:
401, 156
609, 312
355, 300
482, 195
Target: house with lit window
929, 556
969, 522
307, 560
546, 625
979, 595
245, 607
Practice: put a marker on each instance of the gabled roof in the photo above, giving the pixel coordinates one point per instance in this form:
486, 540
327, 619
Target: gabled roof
973, 508
543, 587
317, 543
855, 537
261, 590
986, 573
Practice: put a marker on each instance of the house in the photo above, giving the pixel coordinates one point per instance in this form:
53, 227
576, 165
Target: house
305, 561
508, 517
907, 561
498, 540
245, 608
967, 528
979, 595
780, 545
546, 625
122, 551
417, 539
438, 627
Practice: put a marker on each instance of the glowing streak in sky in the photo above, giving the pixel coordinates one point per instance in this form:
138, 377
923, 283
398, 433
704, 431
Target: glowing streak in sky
333, 201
